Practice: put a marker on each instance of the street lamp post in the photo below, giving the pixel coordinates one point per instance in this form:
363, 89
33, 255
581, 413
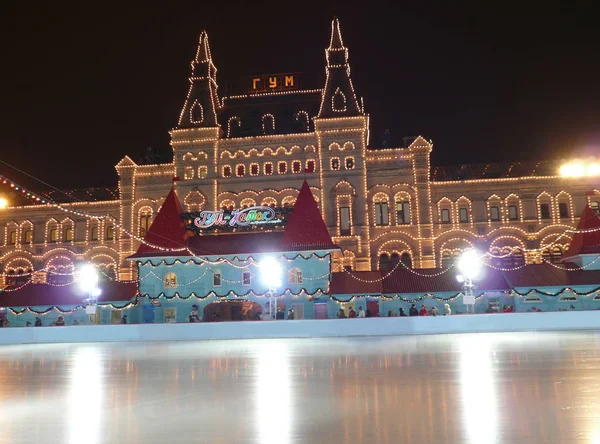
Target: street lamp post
469, 264
270, 273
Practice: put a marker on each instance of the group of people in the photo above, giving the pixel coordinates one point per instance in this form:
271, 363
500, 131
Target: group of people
433, 311
352, 314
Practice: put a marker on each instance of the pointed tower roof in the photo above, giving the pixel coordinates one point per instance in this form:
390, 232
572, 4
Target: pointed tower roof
339, 98
167, 231
587, 239
305, 229
336, 41
202, 102
203, 51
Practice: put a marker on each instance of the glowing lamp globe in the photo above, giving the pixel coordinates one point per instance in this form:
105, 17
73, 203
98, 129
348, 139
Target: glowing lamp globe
270, 272
469, 264
87, 277
3, 203
96, 292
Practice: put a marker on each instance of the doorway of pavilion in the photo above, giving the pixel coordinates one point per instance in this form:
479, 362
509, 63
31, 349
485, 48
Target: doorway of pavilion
228, 310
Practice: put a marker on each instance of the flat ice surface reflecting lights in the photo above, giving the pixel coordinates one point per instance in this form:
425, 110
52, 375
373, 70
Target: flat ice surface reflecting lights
476, 389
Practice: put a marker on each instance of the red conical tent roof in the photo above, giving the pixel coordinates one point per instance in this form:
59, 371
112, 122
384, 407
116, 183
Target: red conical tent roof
167, 231
305, 229
586, 242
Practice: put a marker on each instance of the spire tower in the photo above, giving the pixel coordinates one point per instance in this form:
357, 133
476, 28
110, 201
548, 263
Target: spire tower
339, 98
202, 102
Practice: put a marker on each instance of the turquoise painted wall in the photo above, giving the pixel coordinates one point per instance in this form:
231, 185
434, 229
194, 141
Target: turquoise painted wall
194, 284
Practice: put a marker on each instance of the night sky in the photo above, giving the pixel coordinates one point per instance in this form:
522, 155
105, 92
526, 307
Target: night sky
82, 87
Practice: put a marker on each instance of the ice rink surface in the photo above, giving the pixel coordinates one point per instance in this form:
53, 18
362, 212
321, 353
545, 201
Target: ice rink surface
472, 388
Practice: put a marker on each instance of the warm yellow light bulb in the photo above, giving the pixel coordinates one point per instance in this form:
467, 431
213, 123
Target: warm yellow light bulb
3, 203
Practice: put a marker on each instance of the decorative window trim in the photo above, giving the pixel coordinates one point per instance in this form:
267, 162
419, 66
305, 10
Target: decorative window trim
225, 168
202, 172
307, 121
196, 105
188, 172
254, 165
314, 168
339, 164
338, 93
232, 119
237, 170
282, 162
352, 166
296, 163
265, 168
265, 130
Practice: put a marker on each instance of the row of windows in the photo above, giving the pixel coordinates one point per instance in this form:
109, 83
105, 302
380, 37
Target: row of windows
336, 163
382, 216
495, 215
68, 235
189, 172
57, 275
268, 168
294, 277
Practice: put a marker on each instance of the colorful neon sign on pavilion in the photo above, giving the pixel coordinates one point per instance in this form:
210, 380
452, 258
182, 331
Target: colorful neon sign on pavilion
258, 215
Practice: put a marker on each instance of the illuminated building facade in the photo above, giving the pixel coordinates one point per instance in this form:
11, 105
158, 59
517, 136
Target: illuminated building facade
381, 206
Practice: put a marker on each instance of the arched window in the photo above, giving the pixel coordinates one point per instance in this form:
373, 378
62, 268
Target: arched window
338, 101
507, 259
384, 262
69, 234
295, 276
447, 259
382, 216
28, 236
310, 166
268, 124
196, 113
145, 221
303, 121
518, 257
234, 127
254, 169
394, 260
110, 232
406, 260
282, 167
402, 210
54, 234
296, 166
12, 237
94, 233
240, 171
226, 171
349, 163
170, 280
556, 255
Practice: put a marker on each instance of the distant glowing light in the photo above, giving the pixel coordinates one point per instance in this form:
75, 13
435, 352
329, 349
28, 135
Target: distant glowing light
469, 264
3, 203
580, 169
270, 272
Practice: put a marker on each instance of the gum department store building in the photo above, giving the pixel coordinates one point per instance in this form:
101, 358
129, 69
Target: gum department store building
381, 206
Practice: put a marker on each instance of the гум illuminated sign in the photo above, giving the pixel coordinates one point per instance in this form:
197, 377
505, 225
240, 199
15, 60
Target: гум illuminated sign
258, 215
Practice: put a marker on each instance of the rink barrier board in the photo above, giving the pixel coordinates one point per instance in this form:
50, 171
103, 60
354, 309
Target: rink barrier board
481, 323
